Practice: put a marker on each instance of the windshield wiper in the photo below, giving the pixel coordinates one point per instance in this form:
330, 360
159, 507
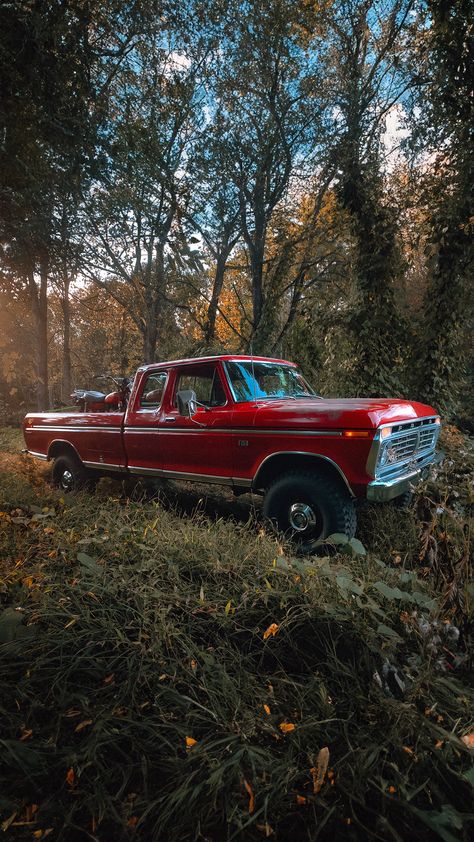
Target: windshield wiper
305, 395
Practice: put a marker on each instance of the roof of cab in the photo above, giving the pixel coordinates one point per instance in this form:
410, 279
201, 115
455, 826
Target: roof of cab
223, 357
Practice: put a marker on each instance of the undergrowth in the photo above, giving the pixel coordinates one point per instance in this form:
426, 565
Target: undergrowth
187, 678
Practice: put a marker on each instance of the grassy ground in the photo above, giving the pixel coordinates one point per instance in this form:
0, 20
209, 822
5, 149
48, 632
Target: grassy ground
169, 675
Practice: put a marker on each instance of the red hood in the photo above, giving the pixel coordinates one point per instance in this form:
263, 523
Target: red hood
349, 413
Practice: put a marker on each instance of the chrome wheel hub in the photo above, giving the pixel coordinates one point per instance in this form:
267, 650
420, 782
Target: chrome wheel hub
301, 517
67, 481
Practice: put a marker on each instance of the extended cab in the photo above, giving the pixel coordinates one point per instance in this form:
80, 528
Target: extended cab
251, 423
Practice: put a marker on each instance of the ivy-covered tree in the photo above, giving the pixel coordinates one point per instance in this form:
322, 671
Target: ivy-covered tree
363, 69
443, 137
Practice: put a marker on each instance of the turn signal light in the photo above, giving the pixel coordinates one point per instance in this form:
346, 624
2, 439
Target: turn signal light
356, 434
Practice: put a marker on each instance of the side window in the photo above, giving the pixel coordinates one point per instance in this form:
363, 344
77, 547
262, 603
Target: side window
153, 389
205, 381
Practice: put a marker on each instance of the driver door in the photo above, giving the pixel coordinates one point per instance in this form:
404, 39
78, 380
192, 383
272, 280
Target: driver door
201, 445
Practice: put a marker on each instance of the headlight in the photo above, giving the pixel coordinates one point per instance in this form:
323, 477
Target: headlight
383, 457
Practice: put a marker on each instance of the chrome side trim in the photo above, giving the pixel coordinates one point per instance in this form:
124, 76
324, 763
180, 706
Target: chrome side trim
184, 475
107, 466
303, 453
244, 431
37, 455
50, 429
274, 431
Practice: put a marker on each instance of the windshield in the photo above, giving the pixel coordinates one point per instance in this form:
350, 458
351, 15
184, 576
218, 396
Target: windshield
253, 379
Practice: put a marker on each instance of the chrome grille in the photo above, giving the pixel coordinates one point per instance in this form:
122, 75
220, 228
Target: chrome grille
403, 445
408, 444
427, 438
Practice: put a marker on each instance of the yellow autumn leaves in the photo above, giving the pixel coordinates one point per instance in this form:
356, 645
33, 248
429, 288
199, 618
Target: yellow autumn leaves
271, 631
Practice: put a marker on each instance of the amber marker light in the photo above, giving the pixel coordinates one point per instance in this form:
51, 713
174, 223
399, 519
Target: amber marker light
385, 432
356, 434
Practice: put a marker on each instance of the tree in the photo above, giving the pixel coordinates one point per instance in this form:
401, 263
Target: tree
52, 92
443, 140
133, 212
363, 69
262, 94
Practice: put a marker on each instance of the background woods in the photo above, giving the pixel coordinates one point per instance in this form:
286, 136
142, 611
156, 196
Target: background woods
188, 177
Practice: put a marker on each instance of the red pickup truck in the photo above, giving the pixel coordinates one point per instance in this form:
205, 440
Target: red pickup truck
254, 424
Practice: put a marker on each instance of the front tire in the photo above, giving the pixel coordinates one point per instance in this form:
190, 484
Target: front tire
69, 474
308, 507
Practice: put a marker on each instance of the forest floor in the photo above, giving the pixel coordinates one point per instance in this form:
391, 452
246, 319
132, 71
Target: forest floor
170, 671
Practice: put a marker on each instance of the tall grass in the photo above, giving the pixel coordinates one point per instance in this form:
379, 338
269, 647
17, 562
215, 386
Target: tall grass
176, 677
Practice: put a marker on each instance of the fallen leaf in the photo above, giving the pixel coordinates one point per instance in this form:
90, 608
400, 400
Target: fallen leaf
26, 733
408, 750
70, 776
392, 790
265, 828
83, 725
439, 743
190, 742
193, 664
301, 799
319, 771
271, 631
109, 678
132, 821
251, 796
286, 727
267, 709
468, 740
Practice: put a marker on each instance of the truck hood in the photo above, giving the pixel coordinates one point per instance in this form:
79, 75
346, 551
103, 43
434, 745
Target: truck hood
340, 414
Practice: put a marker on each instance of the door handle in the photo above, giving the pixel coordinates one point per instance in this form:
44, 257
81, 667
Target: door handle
170, 419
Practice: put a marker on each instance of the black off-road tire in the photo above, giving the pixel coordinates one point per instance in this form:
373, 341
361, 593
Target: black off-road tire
300, 497
69, 474
403, 501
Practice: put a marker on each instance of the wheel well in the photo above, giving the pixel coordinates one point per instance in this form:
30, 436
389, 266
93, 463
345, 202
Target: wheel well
273, 466
62, 448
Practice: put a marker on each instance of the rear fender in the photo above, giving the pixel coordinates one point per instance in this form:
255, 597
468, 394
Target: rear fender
58, 447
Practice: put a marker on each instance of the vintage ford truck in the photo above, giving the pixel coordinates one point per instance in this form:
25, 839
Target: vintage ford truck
252, 423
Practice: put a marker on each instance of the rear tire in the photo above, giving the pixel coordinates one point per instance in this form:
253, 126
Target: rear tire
69, 474
308, 507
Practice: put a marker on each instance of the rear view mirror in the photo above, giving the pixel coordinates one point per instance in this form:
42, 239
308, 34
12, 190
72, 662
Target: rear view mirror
187, 402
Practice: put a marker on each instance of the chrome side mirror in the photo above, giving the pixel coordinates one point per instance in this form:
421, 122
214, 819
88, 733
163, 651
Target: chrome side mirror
187, 402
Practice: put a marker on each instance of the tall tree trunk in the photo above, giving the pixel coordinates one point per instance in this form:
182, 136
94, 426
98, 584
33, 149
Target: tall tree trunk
210, 328
257, 252
66, 308
155, 305
39, 306
43, 380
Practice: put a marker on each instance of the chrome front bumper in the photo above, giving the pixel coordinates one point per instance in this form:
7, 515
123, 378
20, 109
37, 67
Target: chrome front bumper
382, 490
